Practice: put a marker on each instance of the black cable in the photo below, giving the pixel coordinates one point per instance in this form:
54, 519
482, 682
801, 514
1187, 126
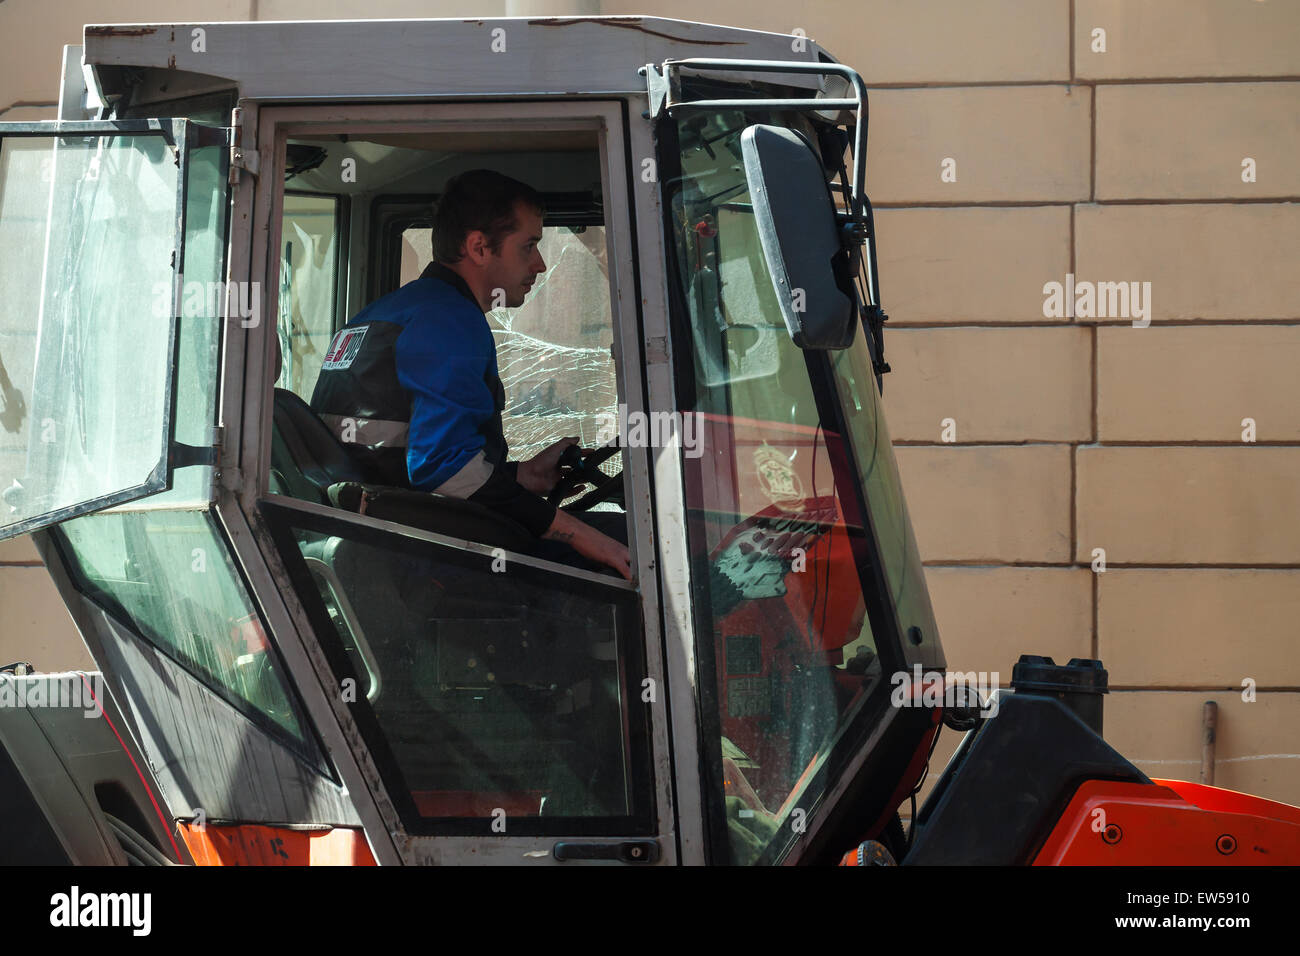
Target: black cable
911, 826
911, 829
138, 850
812, 608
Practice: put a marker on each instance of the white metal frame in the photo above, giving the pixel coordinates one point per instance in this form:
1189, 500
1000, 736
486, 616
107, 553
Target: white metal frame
673, 566
246, 401
277, 69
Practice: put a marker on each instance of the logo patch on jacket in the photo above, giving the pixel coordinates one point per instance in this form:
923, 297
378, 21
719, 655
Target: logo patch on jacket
344, 347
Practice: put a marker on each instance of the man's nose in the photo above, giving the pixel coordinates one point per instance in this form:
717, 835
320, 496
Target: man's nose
540, 264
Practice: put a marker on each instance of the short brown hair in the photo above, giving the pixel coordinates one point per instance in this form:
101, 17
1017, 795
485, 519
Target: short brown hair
481, 200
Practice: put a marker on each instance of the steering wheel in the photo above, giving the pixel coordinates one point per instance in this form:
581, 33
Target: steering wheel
581, 469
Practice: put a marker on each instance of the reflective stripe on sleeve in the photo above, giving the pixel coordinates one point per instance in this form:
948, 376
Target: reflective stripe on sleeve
469, 479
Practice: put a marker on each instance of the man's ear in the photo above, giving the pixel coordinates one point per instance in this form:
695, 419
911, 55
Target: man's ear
476, 247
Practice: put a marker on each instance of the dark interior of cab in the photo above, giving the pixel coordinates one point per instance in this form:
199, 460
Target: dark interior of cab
490, 691
384, 185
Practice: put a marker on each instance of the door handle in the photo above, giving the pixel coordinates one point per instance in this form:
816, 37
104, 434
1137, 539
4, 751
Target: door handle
625, 851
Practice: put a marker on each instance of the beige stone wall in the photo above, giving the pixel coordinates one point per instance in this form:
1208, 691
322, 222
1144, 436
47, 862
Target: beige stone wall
1071, 434
1075, 434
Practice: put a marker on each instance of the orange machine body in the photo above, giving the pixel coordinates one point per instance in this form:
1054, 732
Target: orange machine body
252, 844
1171, 823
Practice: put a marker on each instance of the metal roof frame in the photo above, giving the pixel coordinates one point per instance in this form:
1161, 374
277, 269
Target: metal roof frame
397, 59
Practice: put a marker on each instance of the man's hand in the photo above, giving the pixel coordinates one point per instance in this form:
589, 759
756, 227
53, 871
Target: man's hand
589, 542
541, 473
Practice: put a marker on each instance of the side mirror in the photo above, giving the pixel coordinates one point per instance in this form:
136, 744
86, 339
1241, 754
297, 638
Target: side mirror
799, 231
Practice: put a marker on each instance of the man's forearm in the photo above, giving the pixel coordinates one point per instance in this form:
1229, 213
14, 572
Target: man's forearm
566, 528
590, 543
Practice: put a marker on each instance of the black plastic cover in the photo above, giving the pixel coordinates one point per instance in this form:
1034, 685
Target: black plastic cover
1008, 783
798, 228
1078, 684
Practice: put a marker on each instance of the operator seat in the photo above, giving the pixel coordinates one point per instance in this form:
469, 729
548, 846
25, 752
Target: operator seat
309, 462
306, 458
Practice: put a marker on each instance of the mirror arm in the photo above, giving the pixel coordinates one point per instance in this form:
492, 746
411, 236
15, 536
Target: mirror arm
874, 318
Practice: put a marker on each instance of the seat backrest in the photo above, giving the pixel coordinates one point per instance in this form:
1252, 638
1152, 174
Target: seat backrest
308, 462
305, 455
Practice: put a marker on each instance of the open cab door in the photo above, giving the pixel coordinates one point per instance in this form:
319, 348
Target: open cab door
108, 388
101, 226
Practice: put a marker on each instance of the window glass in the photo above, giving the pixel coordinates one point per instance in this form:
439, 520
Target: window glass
773, 527
206, 213
484, 690
856, 384
308, 288
87, 238
168, 575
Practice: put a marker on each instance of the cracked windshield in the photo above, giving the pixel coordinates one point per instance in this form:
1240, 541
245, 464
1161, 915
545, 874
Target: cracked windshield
554, 352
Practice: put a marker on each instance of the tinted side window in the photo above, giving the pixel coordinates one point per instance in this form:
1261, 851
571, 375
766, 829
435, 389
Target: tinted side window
485, 689
167, 574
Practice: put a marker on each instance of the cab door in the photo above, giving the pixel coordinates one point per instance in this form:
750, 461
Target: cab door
493, 707
113, 254
94, 223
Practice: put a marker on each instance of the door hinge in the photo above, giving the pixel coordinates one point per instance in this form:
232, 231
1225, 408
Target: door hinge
182, 455
242, 160
239, 158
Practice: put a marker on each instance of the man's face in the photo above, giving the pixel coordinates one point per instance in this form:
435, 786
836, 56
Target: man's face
517, 264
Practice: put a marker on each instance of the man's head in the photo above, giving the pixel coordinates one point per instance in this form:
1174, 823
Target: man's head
486, 228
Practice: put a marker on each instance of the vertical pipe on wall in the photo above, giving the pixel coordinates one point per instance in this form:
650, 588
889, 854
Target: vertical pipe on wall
1209, 728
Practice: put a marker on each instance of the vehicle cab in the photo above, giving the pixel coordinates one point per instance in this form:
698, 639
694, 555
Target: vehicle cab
294, 646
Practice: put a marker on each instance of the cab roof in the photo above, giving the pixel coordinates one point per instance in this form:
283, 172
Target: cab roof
298, 60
